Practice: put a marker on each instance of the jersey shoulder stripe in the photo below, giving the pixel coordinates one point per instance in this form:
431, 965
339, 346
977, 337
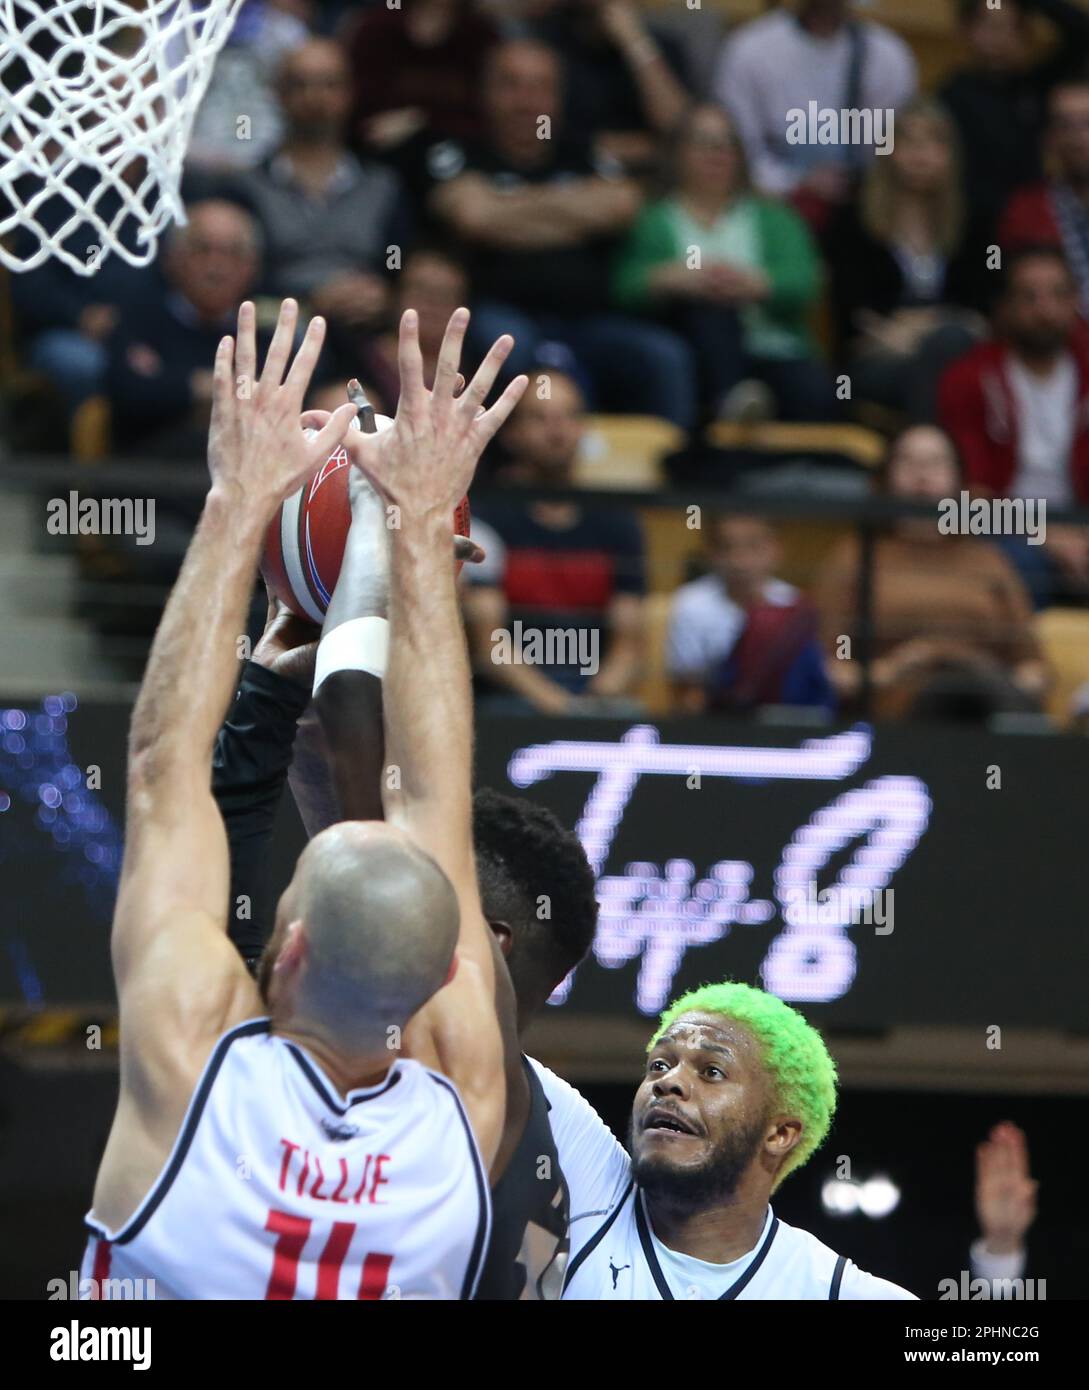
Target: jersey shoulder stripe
483, 1229
162, 1184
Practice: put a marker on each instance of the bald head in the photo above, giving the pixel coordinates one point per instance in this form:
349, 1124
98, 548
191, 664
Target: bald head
365, 934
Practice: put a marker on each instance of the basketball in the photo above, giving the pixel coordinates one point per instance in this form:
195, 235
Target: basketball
305, 541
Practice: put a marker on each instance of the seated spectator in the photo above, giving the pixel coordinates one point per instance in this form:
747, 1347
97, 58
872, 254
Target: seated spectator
434, 283
418, 68
1017, 407
737, 274
909, 274
624, 84
740, 638
329, 220
998, 100
159, 375
779, 63
238, 123
65, 319
951, 624
559, 577
538, 219
1056, 212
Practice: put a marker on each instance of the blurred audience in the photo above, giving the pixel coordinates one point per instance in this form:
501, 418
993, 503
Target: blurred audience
418, 68
1056, 211
738, 274
908, 274
331, 222
811, 51
1005, 1205
555, 568
738, 637
238, 124
951, 631
159, 373
65, 319
538, 214
998, 99
1018, 408
624, 83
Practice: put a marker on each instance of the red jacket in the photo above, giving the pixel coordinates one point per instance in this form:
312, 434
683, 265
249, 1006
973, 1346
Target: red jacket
976, 406
1028, 219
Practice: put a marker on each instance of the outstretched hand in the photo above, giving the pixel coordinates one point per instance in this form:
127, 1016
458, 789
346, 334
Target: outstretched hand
1005, 1189
426, 461
256, 446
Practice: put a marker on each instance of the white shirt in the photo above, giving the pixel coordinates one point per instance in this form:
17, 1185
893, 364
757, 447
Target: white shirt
705, 623
279, 1188
609, 1253
773, 65
1046, 417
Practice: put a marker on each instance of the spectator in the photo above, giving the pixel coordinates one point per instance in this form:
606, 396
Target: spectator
566, 578
329, 220
908, 274
737, 274
65, 319
539, 218
416, 69
160, 363
434, 283
624, 86
998, 100
951, 624
739, 638
238, 123
784, 60
1056, 212
1005, 1207
1017, 407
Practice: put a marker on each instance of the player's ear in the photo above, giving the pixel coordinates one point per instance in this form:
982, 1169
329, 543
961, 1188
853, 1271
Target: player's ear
294, 949
503, 935
784, 1132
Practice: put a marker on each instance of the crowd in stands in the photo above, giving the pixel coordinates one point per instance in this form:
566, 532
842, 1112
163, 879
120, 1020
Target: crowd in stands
624, 189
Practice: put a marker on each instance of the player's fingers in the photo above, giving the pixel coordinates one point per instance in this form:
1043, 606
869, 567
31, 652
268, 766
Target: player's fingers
332, 433
314, 419
446, 372
468, 551
223, 374
280, 346
410, 362
491, 420
245, 359
485, 375
306, 359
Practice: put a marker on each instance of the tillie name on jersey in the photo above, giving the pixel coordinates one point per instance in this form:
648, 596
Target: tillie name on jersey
300, 1167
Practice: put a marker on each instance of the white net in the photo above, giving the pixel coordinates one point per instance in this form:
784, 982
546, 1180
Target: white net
97, 99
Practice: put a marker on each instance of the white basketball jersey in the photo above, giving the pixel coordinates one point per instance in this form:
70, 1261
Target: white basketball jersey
624, 1260
277, 1188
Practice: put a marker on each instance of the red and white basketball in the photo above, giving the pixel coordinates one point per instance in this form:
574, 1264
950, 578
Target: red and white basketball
305, 542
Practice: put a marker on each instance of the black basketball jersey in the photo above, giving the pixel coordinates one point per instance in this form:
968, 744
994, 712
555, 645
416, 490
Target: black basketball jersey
527, 1253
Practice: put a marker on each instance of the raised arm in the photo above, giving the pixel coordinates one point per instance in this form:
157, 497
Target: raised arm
422, 467
179, 979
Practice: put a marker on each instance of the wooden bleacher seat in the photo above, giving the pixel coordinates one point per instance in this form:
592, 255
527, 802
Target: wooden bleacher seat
625, 451
89, 433
1063, 634
862, 446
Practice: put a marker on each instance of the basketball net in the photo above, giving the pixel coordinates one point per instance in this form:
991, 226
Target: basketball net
97, 100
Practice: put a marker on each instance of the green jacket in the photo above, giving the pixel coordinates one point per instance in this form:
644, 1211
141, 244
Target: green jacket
790, 260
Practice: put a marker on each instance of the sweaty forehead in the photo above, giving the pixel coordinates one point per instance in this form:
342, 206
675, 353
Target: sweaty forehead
697, 1030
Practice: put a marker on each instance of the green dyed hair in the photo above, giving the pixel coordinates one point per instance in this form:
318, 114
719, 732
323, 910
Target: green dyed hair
802, 1072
